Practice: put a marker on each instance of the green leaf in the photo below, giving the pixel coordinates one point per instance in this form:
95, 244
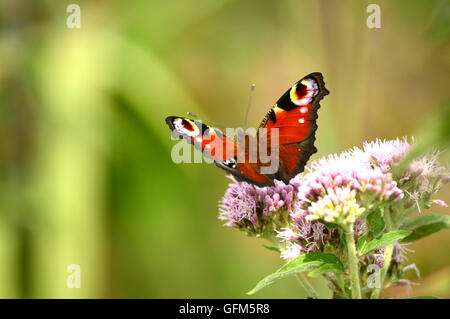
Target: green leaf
272, 248
375, 223
376, 226
383, 240
322, 269
306, 262
362, 241
424, 225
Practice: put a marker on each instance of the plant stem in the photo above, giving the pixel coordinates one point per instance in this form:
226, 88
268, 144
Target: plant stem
307, 286
353, 263
387, 256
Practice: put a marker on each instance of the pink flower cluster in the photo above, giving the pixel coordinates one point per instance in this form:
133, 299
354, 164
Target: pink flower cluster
384, 153
334, 190
343, 185
249, 207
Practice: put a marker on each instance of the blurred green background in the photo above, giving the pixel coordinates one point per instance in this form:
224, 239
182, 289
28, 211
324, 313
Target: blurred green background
86, 172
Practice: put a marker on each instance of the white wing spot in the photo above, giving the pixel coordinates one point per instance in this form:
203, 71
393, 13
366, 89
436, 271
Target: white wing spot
178, 124
230, 163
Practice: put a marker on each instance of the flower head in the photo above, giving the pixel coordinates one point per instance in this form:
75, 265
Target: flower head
339, 203
287, 234
440, 203
250, 207
385, 154
426, 173
238, 207
342, 187
292, 250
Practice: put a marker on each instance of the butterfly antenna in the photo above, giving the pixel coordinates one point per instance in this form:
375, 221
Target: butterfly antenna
252, 89
210, 122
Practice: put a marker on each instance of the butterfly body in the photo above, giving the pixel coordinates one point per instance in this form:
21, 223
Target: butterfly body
287, 131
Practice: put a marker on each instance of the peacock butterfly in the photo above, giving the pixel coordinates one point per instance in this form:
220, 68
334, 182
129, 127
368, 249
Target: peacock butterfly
292, 118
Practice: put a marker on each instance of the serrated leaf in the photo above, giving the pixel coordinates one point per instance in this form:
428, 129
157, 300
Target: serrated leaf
425, 225
383, 240
306, 262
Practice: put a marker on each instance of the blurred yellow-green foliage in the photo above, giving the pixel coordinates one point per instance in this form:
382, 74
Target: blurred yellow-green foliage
86, 172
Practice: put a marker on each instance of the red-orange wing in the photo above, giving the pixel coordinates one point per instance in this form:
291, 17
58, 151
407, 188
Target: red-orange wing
295, 115
217, 146
206, 139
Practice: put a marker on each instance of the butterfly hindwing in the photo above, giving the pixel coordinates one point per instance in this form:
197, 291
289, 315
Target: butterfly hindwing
249, 172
